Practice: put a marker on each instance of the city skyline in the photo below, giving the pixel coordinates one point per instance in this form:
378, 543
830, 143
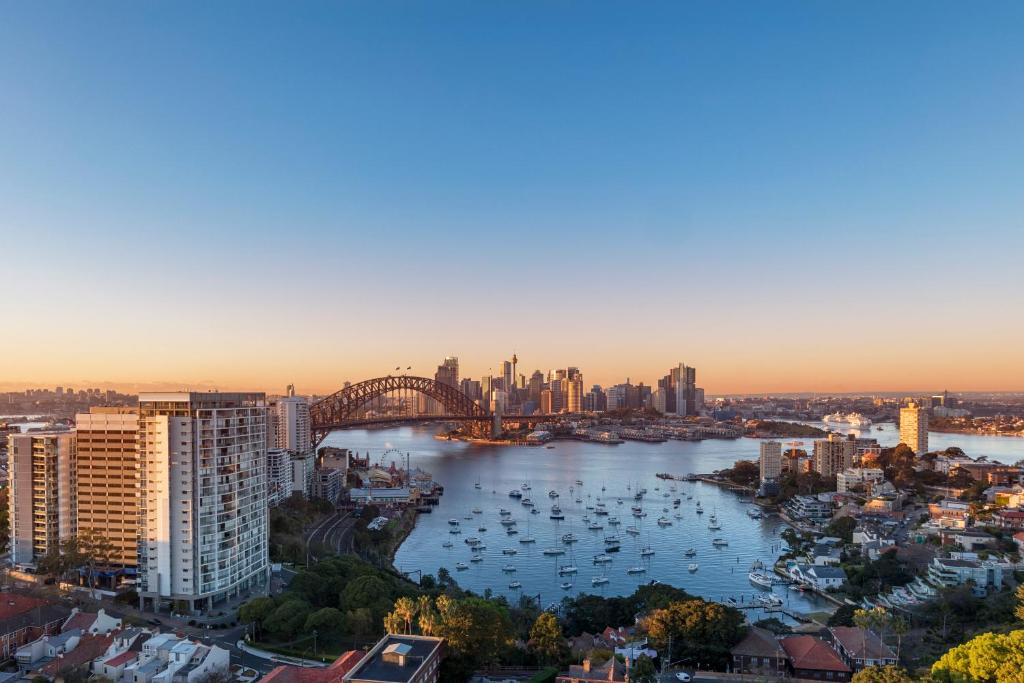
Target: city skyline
618, 189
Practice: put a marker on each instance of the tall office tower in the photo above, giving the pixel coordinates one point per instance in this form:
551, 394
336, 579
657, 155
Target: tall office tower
914, 428
471, 388
507, 375
572, 373
557, 395
658, 399
545, 402
771, 460
574, 394
616, 397
834, 454
499, 401
600, 402
291, 424
683, 381
204, 497
698, 399
279, 475
41, 469
107, 475
535, 386
448, 372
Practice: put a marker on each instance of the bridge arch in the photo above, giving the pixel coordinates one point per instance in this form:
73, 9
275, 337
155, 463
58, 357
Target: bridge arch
338, 410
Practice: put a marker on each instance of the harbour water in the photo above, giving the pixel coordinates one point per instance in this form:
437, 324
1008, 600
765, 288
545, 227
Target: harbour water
609, 473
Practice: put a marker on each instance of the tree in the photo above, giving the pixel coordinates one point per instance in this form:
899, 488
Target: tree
546, 639
988, 657
700, 631
842, 616
882, 674
256, 611
1019, 609
287, 619
328, 622
643, 671
405, 610
842, 528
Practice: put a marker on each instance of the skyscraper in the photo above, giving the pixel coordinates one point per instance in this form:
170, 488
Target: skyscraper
204, 498
574, 394
771, 460
108, 478
914, 428
291, 424
41, 469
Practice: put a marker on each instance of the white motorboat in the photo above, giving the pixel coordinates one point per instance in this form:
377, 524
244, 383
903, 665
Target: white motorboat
477, 558
664, 521
472, 540
509, 568
508, 522
719, 542
567, 569
569, 538
599, 580
515, 585
503, 512
453, 521
761, 579
646, 551
602, 559
693, 567
636, 570
459, 566
690, 552
566, 585
554, 551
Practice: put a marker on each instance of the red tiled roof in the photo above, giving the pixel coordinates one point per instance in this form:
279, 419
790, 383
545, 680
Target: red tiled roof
82, 620
88, 649
807, 652
287, 673
13, 604
861, 644
123, 658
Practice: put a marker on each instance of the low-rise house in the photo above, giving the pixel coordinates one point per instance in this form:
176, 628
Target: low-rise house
400, 659
42, 650
759, 653
819, 577
1008, 519
95, 623
949, 514
968, 539
860, 648
948, 572
612, 671
809, 657
825, 555
123, 652
24, 619
79, 659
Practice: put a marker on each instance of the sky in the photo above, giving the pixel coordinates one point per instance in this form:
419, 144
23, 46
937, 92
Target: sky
789, 196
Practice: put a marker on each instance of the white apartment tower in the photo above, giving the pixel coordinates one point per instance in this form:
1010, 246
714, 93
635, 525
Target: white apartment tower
771, 460
41, 467
204, 497
914, 428
292, 424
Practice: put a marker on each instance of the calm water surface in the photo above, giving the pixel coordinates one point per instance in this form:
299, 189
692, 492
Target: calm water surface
609, 473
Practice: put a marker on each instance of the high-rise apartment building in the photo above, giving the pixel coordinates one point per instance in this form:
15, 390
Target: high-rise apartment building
41, 471
834, 454
914, 428
279, 475
204, 497
291, 424
108, 477
771, 460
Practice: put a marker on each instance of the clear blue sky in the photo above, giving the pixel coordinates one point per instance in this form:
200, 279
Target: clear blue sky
619, 186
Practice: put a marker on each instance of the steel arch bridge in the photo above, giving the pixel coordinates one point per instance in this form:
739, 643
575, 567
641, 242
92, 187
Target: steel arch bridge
341, 409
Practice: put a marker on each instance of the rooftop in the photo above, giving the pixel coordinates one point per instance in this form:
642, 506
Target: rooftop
861, 643
374, 666
88, 649
807, 652
759, 642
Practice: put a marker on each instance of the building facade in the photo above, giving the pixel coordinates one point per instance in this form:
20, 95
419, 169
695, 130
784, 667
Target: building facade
108, 479
291, 424
834, 454
41, 470
204, 497
770, 460
914, 428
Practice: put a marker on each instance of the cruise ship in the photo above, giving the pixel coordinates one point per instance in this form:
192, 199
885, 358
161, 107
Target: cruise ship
852, 419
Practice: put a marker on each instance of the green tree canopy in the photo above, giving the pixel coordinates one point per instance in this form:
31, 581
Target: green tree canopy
546, 639
327, 621
990, 657
882, 674
287, 620
643, 671
701, 631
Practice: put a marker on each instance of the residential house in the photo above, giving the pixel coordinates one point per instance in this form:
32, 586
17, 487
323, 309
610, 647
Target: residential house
949, 514
825, 555
95, 623
817, 576
809, 508
42, 650
809, 657
24, 619
79, 659
122, 654
759, 653
1008, 519
611, 671
860, 648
